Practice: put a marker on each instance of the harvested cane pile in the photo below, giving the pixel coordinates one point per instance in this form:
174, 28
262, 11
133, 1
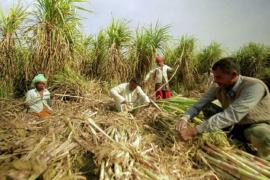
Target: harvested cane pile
84, 140
216, 151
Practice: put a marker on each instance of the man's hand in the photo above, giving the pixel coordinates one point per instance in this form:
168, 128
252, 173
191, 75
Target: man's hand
188, 133
182, 123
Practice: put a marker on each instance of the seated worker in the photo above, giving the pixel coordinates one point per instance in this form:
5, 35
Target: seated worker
160, 75
245, 107
129, 95
38, 99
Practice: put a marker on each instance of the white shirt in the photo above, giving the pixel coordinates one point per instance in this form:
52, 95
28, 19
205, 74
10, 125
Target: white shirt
36, 102
158, 73
122, 93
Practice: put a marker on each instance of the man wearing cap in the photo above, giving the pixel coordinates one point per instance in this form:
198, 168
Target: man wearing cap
38, 98
129, 95
160, 76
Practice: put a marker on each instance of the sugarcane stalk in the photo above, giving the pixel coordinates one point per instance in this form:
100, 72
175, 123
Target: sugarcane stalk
169, 103
141, 174
91, 121
223, 174
174, 108
138, 107
231, 169
254, 159
155, 104
262, 170
117, 170
257, 159
151, 174
222, 154
36, 148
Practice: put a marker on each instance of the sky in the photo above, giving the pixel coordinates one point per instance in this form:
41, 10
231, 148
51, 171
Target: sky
232, 23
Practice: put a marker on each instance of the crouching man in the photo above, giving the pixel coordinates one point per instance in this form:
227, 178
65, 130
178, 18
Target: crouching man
245, 106
129, 95
38, 98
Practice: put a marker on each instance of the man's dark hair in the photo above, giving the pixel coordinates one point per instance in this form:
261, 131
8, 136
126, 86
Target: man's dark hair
227, 65
133, 80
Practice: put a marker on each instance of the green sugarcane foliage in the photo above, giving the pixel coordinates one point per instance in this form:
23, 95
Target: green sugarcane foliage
119, 34
148, 42
179, 100
208, 56
253, 59
217, 138
70, 82
185, 75
53, 35
11, 29
115, 68
177, 104
82, 57
98, 56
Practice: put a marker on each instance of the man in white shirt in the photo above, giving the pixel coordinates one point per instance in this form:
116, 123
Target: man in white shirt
159, 74
38, 99
129, 95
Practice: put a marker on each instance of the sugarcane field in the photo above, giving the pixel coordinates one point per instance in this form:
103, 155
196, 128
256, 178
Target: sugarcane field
144, 90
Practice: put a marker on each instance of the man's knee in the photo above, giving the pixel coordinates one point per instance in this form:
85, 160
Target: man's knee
259, 136
259, 131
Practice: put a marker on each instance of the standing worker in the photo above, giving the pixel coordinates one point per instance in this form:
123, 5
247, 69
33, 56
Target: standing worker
245, 106
159, 74
38, 98
129, 95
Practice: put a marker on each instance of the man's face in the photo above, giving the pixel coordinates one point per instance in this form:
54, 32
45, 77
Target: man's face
223, 79
40, 86
132, 86
160, 63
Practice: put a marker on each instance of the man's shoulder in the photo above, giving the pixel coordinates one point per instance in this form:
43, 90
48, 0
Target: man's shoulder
166, 66
138, 88
46, 91
251, 81
123, 85
31, 91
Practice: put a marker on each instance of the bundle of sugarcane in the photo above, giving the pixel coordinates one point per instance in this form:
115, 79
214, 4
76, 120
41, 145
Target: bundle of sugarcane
32, 148
123, 158
177, 104
122, 146
121, 154
129, 148
235, 163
